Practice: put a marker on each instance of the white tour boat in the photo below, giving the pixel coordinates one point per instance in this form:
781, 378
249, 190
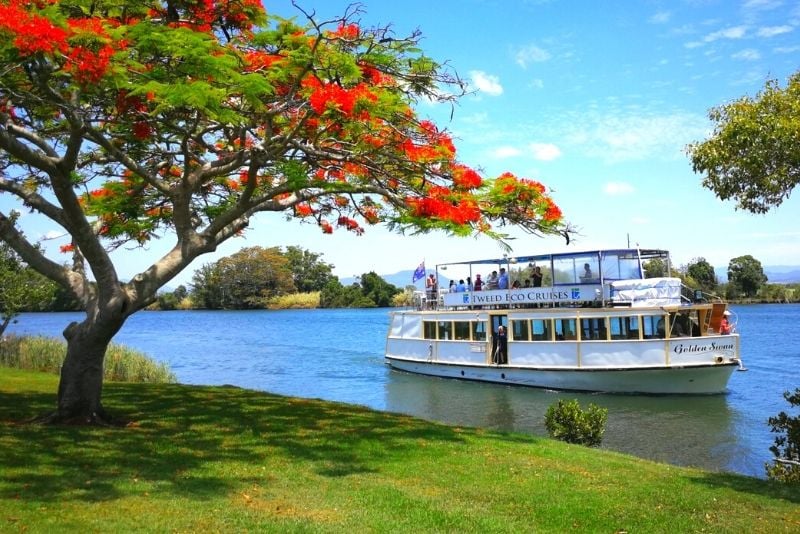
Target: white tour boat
597, 325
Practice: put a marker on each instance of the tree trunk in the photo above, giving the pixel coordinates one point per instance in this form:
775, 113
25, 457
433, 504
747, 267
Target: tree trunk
81, 385
4, 324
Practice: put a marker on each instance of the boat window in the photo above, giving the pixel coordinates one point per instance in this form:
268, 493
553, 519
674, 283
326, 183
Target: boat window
479, 331
624, 327
519, 330
429, 330
565, 329
461, 329
653, 327
578, 269
445, 330
542, 330
621, 265
594, 328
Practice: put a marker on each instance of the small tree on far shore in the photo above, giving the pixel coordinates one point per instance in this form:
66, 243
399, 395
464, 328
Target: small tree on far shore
21, 288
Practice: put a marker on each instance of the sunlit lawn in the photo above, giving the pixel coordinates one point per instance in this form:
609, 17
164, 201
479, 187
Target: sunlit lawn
200, 459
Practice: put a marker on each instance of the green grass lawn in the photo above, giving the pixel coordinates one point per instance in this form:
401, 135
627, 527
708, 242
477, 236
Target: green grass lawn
223, 459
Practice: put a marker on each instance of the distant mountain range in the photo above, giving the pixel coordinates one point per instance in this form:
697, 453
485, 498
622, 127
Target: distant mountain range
776, 274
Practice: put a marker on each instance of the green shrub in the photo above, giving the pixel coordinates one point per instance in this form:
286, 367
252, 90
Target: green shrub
786, 465
566, 421
122, 364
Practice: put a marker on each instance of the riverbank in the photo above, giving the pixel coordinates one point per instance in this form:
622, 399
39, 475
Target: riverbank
224, 458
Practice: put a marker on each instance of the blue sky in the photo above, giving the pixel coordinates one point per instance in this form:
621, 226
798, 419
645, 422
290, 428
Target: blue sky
597, 100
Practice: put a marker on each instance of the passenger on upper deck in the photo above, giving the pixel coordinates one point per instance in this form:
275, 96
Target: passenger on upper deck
502, 280
587, 271
461, 286
478, 283
431, 290
491, 282
537, 276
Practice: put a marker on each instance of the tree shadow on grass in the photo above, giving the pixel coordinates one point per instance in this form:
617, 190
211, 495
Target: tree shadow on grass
756, 486
180, 431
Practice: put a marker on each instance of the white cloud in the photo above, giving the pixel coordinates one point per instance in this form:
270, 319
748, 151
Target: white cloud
545, 151
772, 31
531, 54
786, 49
762, 4
748, 54
630, 137
54, 234
661, 17
536, 83
505, 152
486, 83
735, 32
618, 188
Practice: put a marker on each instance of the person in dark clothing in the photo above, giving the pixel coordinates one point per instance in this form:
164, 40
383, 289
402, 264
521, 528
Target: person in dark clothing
501, 346
537, 276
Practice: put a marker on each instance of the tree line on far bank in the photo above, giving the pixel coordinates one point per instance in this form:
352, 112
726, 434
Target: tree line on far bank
252, 278
259, 278
747, 281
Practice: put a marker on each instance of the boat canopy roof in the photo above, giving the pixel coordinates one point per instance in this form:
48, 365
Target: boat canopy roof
585, 267
640, 253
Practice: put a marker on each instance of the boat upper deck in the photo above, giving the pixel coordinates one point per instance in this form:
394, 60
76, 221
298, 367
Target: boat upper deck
598, 278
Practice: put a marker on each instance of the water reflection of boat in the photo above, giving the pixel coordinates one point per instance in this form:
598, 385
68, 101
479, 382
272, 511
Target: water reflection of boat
599, 326
698, 431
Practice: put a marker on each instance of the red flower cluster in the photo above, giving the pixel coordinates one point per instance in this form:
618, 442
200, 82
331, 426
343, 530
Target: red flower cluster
65, 249
350, 224
465, 177
141, 130
204, 13
87, 65
375, 77
441, 203
553, 212
435, 146
303, 210
101, 193
32, 33
257, 60
346, 31
330, 95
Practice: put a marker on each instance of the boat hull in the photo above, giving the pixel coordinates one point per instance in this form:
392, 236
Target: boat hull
667, 380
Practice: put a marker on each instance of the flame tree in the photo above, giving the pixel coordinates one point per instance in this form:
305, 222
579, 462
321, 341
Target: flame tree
123, 120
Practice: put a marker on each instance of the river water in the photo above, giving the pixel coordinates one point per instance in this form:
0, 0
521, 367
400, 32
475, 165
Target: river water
338, 355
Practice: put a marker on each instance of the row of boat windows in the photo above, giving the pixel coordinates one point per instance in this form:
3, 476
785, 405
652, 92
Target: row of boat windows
600, 328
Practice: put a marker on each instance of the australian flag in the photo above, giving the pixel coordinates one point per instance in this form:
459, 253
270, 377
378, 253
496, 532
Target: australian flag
419, 273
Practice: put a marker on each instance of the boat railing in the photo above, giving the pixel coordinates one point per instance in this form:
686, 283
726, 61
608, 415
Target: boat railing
692, 295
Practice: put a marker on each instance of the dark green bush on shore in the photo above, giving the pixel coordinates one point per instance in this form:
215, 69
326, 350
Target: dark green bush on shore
122, 364
566, 421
